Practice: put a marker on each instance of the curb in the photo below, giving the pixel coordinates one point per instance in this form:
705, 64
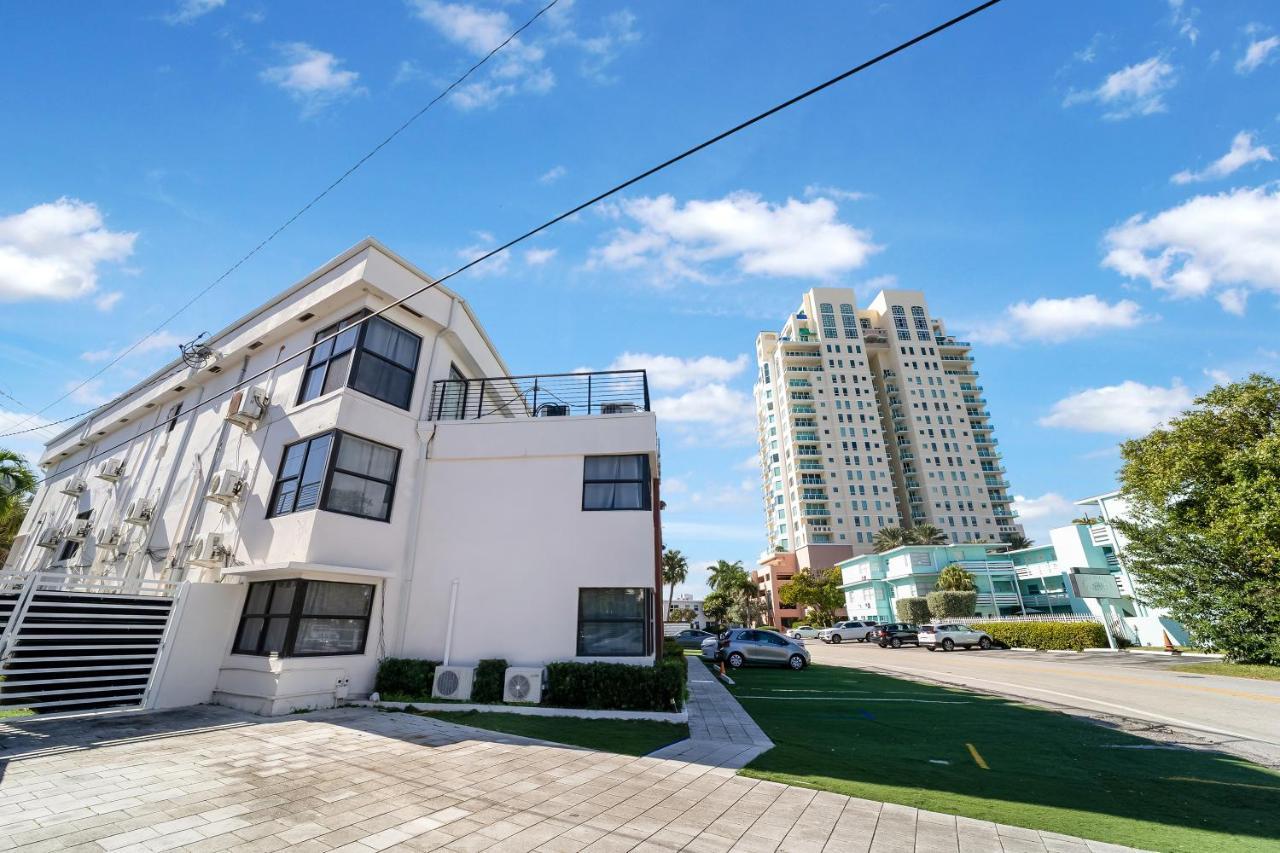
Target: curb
531, 710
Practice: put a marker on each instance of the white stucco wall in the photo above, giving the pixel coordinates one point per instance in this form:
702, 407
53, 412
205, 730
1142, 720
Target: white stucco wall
194, 651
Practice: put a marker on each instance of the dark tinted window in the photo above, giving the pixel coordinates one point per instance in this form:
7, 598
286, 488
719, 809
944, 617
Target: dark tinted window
616, 482
377, 358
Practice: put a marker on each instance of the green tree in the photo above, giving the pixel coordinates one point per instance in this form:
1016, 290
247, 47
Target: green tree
1203, 495
927, 534
716, 607
952, 604
818, 593
888, 538
954, 578
747, 605
1016, 541
17, 484
913, 609
727, 577
675, 571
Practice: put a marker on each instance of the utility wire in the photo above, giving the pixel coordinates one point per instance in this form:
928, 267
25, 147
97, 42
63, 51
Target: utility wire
332, 186
617, 188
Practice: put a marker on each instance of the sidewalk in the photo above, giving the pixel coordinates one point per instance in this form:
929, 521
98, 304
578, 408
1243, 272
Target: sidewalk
721, 733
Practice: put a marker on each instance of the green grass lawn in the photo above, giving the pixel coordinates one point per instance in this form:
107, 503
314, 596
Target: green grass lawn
1239, 670
881, 738
10, 713
627, 737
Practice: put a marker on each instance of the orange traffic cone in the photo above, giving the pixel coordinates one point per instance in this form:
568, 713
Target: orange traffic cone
1168, 645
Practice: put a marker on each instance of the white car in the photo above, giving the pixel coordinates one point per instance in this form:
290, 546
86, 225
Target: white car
947, 637
802, 632
848, 630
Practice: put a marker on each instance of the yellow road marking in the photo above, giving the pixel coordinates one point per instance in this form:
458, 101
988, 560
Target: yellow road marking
973, 750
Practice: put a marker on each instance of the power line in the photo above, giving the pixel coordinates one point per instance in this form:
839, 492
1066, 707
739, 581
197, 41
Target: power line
617, 188
332, 186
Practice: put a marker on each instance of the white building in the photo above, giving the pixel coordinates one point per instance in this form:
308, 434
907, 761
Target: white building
394, 492
873, 418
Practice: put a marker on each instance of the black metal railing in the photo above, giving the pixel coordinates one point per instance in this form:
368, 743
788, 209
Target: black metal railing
605, 392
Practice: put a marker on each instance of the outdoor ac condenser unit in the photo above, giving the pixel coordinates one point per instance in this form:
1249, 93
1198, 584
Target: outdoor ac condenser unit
248, 405
139, 512
453, 682
617, 408
225, 487
111, 470
522, 684
110, 539
80, 530
51, 538
73, 488
208, 551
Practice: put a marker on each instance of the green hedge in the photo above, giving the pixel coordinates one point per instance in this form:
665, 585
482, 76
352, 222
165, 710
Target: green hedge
486, 688
618, 686
913, 610
1047, 635
672, 649
405, 679
951, 604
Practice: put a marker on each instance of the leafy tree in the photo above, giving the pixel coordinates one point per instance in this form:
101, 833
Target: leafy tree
1203, 496
747, 604
818, 593
1016, 541
716, 607
727, 577
914, 610
954, 578
17, 484
927, 534
888, 538
675, 571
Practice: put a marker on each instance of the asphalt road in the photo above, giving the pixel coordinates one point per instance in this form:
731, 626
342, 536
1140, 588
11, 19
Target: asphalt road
1238, 715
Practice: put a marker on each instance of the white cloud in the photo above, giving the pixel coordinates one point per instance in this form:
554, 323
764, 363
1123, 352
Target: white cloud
1039, 515
824, 191
1183, 19
33, 431
793, 239
1127, 409
538, 257
1219, 377
158, 341
1229, 241
1257, 53
312, 77
1243, 152
189, 10
751, 463
496, 265
552, 175
406, 72
669, 372
710, 414
53, 250
1133, 91
108, 300
1057, 320
88, 393
709, 531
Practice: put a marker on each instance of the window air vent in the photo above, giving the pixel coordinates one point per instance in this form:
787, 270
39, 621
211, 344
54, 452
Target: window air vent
255, 345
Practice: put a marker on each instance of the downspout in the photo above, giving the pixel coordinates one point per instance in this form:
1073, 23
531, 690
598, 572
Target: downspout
426, 431
163, 500
658, 620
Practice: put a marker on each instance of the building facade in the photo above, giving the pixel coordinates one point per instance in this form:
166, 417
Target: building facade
393, 491
873, 418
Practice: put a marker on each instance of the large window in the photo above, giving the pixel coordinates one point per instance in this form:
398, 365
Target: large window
337, 472
301, 618
615, 622
377, 358
616, 482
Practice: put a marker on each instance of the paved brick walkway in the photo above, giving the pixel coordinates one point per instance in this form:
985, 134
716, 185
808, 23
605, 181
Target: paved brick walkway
207, 779
721, 733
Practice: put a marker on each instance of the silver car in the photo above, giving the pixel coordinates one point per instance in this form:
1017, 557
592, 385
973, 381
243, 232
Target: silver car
741, 646
949, 636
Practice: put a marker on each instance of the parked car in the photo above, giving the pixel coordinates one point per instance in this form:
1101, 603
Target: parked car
895, 634
741, 646
848, 630
691, 638
949, 636
802, 632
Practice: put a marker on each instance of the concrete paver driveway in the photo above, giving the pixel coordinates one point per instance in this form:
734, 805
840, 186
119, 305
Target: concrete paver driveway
210, 778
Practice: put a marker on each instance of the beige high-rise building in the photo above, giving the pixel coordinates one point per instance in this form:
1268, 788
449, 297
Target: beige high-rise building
873, 418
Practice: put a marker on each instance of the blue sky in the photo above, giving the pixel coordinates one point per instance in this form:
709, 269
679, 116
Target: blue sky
1086, 189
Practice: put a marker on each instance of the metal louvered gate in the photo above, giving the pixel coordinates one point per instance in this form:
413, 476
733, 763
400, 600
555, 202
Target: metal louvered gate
78, 643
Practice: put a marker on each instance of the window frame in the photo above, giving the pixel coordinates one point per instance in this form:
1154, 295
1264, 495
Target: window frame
646, 622
326, 481
295, 616
358, 351
646, 480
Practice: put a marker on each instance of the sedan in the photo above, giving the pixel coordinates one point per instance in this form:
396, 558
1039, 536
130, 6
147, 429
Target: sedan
949, 636
691, 638
741, 646
802, 632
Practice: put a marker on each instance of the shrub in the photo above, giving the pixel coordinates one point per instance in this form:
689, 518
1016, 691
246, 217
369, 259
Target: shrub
618, 686
1047, 635
913, 610
405, 679
949, 604
671, 649
486, 688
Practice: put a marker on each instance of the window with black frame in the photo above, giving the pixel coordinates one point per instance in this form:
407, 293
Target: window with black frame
376, 357
616, 482
304, 618
337, 472
615, 622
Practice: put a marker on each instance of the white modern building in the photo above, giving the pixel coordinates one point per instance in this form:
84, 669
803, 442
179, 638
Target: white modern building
298, 512
873, 418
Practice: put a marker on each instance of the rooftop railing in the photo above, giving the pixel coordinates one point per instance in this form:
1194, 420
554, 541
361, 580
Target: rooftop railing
606, 392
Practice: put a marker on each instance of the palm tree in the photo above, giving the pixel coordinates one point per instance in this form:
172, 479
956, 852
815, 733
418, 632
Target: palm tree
17, 480
927, 534
889, 538
10, 522
1016, 541
675, 570
727, 577
955, 578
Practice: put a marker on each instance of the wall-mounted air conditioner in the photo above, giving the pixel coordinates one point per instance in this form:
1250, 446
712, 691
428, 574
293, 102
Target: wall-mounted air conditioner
51, 538
80, 530
111, 470
73, 487
522, 684
225, 487
208, 551
453, 682
140, 511
248, 405
110, 538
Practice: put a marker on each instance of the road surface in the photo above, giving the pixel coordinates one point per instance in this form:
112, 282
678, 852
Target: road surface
1238, 715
